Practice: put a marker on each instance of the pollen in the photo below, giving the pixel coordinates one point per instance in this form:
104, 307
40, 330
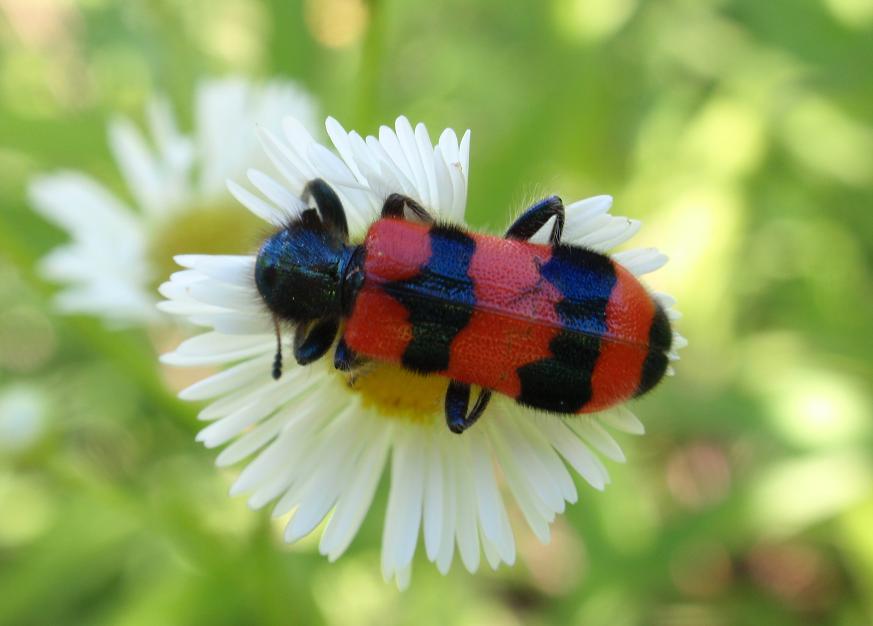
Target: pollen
399, 394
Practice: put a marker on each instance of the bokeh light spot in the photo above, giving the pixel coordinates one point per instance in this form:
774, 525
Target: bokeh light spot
336, 23
592, 20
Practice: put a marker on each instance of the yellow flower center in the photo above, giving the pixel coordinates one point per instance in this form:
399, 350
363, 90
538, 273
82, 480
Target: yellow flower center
399, 394
209, 229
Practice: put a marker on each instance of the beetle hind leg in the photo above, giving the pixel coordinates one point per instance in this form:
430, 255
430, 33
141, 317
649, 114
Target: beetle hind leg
529, 222
457, 402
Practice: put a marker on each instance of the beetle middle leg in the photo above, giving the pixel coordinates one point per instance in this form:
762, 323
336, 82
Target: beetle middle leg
344, 358
457, 402
529, 222
395, 206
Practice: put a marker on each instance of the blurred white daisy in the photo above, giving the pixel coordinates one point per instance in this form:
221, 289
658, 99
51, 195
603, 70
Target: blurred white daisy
117, 253
318, 447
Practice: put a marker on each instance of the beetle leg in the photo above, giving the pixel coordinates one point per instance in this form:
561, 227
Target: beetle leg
396, 203
311, 341
529, 222
344, 358
330, 207
457, 401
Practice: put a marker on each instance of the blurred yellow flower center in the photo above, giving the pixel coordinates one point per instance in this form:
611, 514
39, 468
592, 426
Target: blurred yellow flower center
399, 394
210, 229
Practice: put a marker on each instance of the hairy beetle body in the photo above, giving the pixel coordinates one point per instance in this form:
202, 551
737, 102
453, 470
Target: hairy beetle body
556, 327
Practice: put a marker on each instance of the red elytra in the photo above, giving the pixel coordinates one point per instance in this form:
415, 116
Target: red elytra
513, 338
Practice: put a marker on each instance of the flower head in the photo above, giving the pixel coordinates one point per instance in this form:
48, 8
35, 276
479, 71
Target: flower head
177, 184
317, 444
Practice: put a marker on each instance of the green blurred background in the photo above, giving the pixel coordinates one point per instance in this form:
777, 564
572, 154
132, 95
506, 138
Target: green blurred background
740, 131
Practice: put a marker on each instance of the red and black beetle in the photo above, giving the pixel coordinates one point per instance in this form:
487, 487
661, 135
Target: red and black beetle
556, 327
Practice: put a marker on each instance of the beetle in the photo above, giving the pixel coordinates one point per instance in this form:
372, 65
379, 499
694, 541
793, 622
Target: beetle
556, 327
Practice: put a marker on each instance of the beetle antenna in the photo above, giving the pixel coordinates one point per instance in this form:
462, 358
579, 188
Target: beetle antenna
277, 360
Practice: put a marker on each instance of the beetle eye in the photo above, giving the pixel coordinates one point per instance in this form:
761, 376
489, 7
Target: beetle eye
269, 275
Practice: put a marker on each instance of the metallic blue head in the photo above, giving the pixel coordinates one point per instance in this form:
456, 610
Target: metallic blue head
298, 270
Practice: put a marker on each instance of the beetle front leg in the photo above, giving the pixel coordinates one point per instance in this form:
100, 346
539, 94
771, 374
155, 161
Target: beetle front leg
457, 401
312, 341
529, 222
395, 206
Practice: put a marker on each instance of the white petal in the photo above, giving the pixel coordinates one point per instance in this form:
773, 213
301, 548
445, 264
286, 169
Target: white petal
392, 175
356, 498
464, 156
588, 208
664, 299
490, 550
343, 145
466, 524
433, 501
576, 453
239, 299
331, 167
409, 145
236, 270
450, 152
185, 307
138, 165
622, 419
251, 441
336, 455
212, 348
426, 158
285, 161
256, 205
295, 438
83, 206
641, 260
233, 323
390, 145
242, 396
463, 167
227, 380
492, 514
534, 513
444, 186
403, 577
536, 473
447, 538
551, 462
289, 204
403, 516
615, 231
273, 395
597, 437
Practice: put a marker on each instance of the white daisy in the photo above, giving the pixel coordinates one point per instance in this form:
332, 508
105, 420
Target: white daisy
112, 264
316, 447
